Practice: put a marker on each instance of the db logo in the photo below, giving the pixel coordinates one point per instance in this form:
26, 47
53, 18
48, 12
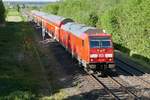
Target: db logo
101, 55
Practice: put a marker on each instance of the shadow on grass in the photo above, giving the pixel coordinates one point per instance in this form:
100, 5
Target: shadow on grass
141, 57
122, 48
127, 51
13, 86
13, 70
135, 60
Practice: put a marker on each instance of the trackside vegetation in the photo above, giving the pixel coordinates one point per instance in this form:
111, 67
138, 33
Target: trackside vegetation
19, 69
2, 13
127, 20
15, 71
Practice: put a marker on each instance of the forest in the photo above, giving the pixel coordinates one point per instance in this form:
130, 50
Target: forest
127, 20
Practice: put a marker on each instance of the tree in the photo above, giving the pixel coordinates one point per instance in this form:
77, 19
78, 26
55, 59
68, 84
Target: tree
93, 19
18, 8
2, 12
52, 8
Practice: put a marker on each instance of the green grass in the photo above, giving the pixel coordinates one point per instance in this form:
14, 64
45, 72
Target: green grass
21, 75
19, 69
13, 16
15, 73
61, 95
142, 64
13, 12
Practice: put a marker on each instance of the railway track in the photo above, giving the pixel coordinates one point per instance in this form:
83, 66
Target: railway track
134, 72
117, 87
113, 87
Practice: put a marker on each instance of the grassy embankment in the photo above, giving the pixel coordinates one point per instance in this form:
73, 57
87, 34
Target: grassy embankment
19, 68
127, 20
13, 15
21, 74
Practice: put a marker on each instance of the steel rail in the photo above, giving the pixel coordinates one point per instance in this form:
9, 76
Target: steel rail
105, 87
130, 73
123, 87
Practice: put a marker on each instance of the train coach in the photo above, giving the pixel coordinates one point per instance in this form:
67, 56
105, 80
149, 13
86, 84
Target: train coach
49, 23
92, 47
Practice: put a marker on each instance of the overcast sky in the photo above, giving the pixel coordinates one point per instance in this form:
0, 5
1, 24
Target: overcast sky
30, 0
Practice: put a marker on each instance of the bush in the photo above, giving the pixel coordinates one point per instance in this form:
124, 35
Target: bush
52, 8
93, 19
128, 22
2, 12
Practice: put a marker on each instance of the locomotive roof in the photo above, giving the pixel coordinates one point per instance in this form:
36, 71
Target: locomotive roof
79, 29
53, 18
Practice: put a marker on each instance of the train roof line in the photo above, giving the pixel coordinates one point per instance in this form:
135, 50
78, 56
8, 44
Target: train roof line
68, 25
53, 18
79, 29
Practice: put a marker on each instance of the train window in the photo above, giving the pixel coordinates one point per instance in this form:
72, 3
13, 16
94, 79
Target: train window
94, 44
83, 43
105, 44
99, 42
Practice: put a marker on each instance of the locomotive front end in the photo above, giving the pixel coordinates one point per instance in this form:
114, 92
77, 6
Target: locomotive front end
101, 52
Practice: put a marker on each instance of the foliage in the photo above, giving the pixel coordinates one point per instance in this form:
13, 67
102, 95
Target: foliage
93, 19
2, 12
84, 11
60, 95
129, 23
52, 8
18, 8
127, 20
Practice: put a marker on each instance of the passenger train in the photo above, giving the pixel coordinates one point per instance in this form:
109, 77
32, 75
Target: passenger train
92, 47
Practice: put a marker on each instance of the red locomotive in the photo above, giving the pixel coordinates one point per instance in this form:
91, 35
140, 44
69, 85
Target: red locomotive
92, 47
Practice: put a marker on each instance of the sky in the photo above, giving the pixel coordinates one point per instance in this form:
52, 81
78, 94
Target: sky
30, 0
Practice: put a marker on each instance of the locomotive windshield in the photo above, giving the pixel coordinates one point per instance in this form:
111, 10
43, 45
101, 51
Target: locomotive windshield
100, 42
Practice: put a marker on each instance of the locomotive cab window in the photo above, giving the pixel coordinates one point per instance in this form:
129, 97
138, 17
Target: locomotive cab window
100, 42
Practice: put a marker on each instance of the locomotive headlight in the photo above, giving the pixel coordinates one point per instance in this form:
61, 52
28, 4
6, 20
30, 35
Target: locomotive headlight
108, 55
93, 55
